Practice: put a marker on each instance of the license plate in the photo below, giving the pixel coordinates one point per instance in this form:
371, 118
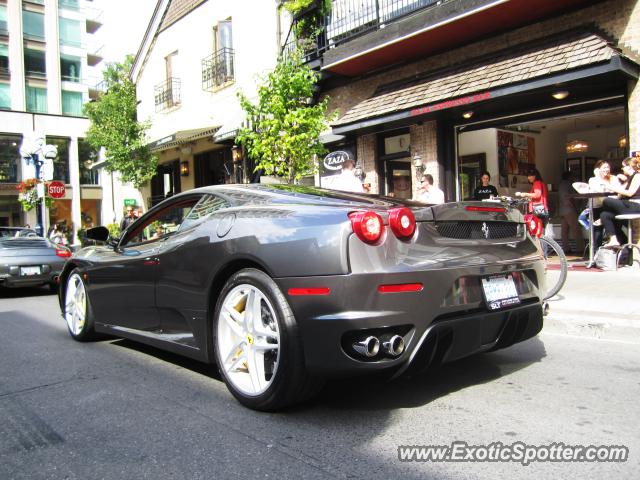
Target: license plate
30, 271
500, 292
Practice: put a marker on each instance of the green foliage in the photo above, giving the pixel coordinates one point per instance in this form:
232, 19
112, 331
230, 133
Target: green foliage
114, 125
114, 230
308, 18
286, 126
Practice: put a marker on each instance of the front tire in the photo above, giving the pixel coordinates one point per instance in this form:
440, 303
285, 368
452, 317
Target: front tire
257, 345
77, 311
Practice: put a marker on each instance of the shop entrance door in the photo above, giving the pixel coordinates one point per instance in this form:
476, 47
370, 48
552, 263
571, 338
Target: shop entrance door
398, 179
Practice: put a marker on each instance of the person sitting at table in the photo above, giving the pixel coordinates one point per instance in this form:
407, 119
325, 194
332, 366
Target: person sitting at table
628, 201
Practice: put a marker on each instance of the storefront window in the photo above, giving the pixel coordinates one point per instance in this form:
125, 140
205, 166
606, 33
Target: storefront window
72, 103
61, 162
90, 211
33, 25
70, 32
87, 157
60, 214
9, 157
70, 68
36, 99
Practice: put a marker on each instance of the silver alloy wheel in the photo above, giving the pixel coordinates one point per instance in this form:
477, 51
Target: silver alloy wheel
75, 304
248, 339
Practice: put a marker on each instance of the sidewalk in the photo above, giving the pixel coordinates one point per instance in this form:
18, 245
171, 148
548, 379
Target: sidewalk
601, 304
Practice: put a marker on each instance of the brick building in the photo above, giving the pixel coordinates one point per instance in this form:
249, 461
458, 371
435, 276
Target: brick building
461, 86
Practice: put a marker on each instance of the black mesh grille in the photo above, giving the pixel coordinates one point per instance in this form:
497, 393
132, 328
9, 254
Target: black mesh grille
478, 230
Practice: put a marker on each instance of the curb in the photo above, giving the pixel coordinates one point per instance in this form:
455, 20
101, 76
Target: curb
592, 325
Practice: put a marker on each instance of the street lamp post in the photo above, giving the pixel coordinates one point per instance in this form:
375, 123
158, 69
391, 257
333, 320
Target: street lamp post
38, 153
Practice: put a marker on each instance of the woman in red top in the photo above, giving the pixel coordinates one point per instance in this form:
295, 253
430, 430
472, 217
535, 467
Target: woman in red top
537, 196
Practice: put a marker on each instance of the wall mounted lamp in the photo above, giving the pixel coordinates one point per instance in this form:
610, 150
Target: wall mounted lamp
184, 169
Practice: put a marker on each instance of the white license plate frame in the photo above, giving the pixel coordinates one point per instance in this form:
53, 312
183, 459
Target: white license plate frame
500, 291
30, 271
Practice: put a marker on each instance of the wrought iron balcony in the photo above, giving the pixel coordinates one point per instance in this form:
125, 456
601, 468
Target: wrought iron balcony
352, 18
218, 69
167, 94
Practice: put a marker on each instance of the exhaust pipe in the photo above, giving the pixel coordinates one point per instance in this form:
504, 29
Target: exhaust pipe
368, 347
394, 346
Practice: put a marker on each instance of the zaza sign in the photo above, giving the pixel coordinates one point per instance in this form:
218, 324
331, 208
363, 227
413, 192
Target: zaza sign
334, 160
56, 189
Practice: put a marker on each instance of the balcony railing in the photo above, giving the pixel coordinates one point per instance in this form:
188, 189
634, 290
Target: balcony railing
218, 69
167, 94
352, 18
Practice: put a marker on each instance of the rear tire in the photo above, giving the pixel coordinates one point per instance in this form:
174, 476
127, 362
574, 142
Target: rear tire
257, 344
551, 247
77, 310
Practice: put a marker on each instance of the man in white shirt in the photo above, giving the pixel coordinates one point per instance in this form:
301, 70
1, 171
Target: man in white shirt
429, 193
347, 180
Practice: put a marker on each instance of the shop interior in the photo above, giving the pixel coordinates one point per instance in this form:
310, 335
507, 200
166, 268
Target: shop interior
553, 145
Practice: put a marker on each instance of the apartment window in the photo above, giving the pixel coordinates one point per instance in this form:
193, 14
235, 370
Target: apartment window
4, 59
3, 20
5, 96
36, 99
218, 68
87, 156
9, 157
70, 68
35, 63
70, 4
222, 35
61, 162
70, 32
72, 103
33, 25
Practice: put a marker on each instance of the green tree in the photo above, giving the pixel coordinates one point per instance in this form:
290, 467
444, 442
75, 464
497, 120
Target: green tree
114, 126
286, 126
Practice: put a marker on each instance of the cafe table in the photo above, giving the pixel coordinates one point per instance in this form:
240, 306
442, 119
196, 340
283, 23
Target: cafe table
590, 196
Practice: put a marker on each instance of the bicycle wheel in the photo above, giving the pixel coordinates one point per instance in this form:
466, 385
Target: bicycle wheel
553, 255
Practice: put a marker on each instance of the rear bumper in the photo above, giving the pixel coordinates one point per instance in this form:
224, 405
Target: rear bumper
10, 281
435, 326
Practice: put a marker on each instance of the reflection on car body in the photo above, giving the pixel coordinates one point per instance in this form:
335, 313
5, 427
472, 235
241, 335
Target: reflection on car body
283, 286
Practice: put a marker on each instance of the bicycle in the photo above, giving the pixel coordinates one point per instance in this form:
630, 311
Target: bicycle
550, 247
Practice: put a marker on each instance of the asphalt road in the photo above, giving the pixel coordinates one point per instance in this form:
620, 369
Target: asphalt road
116, 410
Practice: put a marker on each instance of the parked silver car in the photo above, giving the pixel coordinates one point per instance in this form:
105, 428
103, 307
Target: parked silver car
17, 232
30, 261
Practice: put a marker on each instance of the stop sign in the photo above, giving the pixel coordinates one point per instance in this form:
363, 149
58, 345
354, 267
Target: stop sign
56, 189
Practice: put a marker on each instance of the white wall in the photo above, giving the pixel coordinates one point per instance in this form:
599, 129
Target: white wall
254, 43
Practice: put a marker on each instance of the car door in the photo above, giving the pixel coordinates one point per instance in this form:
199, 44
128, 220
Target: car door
186, 261
123, 287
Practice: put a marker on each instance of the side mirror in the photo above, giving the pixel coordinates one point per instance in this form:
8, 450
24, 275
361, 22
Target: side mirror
99, 234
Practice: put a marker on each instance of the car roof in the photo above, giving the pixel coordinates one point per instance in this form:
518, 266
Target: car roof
257, 193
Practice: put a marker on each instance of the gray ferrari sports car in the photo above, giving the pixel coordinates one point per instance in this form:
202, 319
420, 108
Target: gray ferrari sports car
282, 286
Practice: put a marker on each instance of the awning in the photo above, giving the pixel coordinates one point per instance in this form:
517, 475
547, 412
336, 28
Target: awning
181, 137
539, 64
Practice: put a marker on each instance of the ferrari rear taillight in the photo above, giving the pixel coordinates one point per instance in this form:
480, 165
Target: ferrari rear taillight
63, 252
367, 226
534, 225
402, 222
